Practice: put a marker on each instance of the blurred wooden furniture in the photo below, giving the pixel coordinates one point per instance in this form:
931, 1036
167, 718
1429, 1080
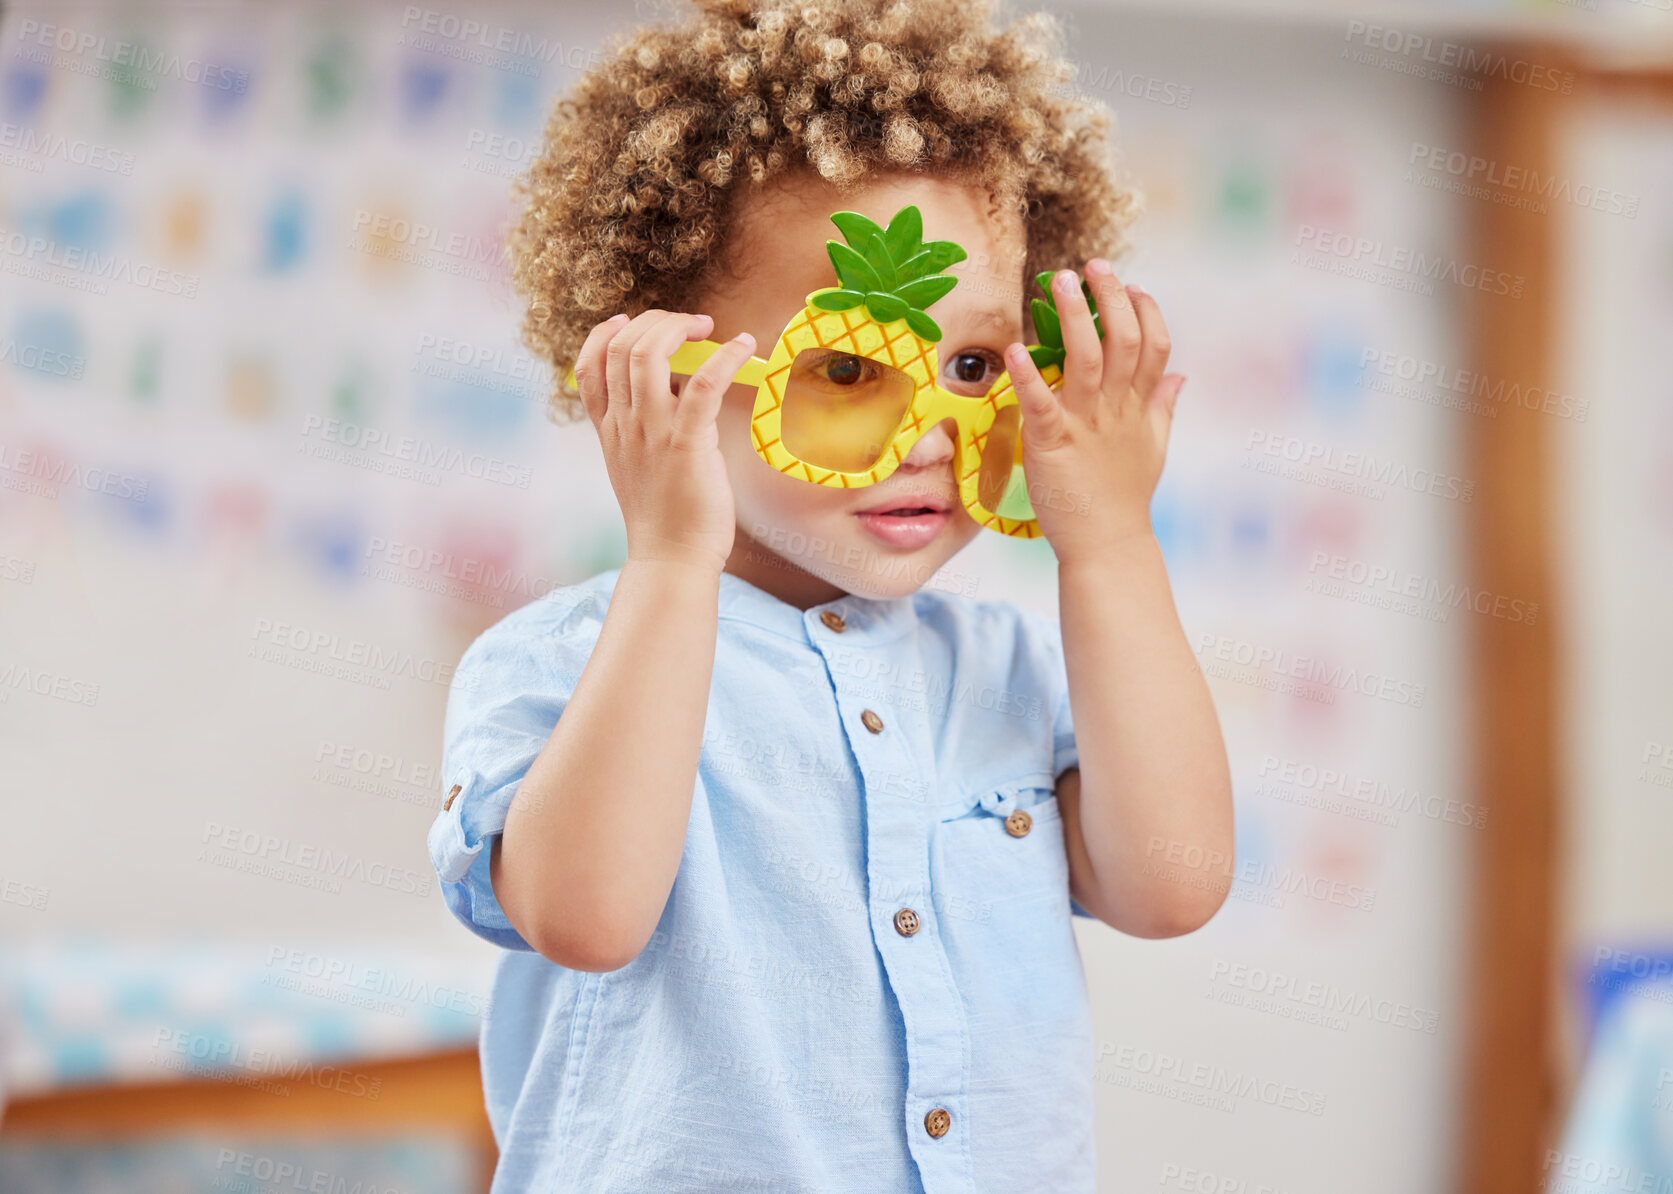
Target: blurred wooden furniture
1513, 1101
439, 1092
1509, 1101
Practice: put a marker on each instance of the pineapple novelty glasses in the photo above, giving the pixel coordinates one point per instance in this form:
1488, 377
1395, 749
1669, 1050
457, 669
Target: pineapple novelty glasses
851, 384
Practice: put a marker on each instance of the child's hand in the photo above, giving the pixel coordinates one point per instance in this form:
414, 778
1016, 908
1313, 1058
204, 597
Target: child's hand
662, 451
1092, 450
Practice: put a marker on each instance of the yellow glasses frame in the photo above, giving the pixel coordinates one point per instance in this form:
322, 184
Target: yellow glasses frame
893, 344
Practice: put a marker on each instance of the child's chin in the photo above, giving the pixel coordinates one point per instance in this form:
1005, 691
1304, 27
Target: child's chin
876, 590
887, 576
843, 554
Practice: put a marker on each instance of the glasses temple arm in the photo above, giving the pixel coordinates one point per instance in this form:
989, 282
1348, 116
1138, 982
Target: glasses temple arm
689, 355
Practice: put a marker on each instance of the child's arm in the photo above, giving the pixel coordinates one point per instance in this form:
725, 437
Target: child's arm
593, 837
1148, 815
1158, 841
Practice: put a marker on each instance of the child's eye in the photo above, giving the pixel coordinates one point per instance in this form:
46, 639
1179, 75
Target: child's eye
844, 369
974, 367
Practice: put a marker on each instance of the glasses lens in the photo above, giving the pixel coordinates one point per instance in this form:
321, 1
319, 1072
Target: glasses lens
841, 411
999, 483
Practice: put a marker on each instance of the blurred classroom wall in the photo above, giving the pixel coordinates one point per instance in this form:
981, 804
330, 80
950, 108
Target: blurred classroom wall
271, 456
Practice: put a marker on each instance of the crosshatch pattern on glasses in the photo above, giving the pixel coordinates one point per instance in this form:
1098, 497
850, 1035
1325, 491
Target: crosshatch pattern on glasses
892, 343
891, 272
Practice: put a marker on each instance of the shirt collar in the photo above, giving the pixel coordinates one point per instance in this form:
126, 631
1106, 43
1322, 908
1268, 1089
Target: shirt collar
871, 620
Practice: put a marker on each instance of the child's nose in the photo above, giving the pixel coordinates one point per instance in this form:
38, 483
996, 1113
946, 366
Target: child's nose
934, 447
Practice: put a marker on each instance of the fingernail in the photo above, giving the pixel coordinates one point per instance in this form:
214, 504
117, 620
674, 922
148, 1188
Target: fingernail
1015, 354
1098, 266
1134, 288
617, 318
747, 340
1065, 282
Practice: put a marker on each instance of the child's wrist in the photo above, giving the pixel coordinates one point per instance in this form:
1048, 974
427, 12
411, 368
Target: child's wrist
1135, 539
697, 567
1097, 524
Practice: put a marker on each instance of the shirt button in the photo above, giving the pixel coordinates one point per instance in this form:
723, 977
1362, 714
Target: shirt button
906, 922
873, 722
834, 620
937, 1122
1018, 823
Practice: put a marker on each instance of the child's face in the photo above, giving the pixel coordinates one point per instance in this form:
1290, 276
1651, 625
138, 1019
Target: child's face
808, 543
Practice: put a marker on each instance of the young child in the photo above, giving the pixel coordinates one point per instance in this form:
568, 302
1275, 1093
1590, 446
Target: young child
782, 846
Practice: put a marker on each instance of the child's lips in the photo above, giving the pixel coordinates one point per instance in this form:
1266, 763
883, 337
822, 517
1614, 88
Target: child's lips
909, 500
908, 530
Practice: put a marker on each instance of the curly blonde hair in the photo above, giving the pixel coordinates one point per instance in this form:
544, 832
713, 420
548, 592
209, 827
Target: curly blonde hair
629, 204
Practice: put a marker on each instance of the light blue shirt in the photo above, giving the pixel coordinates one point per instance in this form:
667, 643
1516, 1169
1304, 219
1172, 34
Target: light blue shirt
860, 935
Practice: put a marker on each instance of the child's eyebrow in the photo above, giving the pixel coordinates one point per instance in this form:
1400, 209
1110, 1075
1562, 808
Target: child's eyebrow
990, 317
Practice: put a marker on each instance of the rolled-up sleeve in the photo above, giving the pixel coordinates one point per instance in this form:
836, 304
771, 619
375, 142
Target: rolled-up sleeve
507, 694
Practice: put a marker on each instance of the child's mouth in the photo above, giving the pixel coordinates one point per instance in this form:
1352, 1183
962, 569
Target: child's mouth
908, 526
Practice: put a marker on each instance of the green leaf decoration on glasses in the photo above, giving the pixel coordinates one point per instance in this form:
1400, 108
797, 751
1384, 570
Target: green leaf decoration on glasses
892, 271
1048, 330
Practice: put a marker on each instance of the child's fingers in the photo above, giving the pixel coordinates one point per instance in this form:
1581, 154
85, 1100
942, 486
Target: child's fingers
618, 363
1123, 337
589, 367
701, 397
1153, 353
1162, 404
1083, 363
1042, 413
648, 365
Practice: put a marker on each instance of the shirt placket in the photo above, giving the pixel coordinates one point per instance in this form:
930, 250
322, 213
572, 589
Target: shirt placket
889, 735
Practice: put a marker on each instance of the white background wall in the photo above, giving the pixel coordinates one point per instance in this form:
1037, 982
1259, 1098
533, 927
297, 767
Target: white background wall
1242, 134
